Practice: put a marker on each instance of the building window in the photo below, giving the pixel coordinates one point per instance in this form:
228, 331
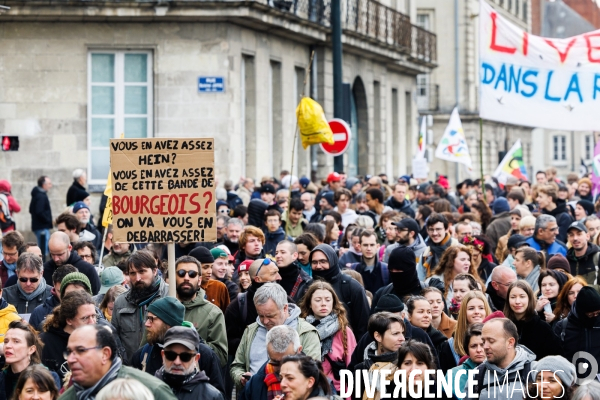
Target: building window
525, 10
423, 21
517, 4
509, 5
119, 101
559, 148
589, 147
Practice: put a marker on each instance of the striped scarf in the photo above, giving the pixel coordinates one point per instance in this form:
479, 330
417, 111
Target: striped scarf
272, 382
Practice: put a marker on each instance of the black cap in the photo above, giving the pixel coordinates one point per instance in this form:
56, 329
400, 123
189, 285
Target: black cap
182, 335
268, 188
389, 302
202, 254
516, 241
423, 187
579, 226
408, 223
588, 206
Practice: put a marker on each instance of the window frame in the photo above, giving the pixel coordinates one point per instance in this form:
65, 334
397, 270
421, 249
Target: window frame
559, 148
119, 85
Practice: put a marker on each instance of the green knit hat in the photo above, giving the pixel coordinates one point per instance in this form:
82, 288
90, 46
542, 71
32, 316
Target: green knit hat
169, 310
75, 277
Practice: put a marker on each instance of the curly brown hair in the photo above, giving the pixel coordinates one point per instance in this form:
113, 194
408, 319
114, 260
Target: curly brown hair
446, 265
337, 308
485, 214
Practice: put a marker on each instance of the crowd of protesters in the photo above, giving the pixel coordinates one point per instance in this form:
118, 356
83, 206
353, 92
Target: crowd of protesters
306, 280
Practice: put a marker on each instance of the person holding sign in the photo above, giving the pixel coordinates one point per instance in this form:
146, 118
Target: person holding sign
146, 287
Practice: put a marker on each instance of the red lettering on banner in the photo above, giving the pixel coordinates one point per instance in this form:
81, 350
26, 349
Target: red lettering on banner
525, 43
588, 40
563, 56
493, 45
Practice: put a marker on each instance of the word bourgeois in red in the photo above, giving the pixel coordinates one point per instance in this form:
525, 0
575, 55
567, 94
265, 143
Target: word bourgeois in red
164, 204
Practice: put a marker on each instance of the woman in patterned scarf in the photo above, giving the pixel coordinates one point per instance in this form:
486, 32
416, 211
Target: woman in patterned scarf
321, 307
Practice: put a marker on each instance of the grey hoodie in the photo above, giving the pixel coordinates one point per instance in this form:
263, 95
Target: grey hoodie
512, 389
418, 247
258, 355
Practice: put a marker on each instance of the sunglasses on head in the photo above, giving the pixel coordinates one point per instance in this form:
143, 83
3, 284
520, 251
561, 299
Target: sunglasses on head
184, 357
266, 261
192, 274
32, 280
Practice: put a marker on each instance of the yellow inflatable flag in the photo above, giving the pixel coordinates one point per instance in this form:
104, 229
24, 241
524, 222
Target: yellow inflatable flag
312, 123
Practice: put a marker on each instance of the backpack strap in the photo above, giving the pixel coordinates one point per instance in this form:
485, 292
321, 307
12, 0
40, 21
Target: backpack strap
243, 305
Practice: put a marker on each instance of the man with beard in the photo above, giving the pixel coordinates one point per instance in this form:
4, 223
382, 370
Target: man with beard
438, 241
325, 265
293, 279
11, 243
162, 315
131, 307
83, 214
205, 316
61, 254
408, 235
583, 254
181, 370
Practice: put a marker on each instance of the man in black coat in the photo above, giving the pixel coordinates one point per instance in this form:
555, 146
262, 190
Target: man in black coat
41, 213
77, 190
61, 254
398, 200
325, 265
293, 279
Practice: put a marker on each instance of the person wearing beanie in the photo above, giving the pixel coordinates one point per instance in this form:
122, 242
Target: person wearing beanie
325, 265
215, 291
162, 315
82, 211
206, 317
244, 277
555, 377
75, 281
580, 331
584, 190
390, 302
583, 254
220, 269
500, 223
583, 209
559, 263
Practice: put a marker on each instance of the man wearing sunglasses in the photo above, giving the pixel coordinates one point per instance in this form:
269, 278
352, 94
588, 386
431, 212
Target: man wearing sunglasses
94, 363
31, 289
206, 317
180, 368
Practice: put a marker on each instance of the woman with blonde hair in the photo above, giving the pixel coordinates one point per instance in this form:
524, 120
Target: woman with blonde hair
454, 260
474, 309
322, 308
527, 225
108, 302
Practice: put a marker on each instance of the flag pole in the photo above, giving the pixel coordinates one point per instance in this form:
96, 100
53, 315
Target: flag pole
481, 159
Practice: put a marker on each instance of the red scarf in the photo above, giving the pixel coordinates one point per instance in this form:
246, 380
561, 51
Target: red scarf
272, 382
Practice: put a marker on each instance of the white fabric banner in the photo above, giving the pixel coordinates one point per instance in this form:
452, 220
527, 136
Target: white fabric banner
453, 146
534, 81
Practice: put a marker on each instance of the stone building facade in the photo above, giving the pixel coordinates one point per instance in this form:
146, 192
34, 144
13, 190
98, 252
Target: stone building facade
74, 74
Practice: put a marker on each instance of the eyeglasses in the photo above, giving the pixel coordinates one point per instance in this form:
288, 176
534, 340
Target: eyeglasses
16, 253
78, 351
266, 261
317, 262
86, 256
151, 318
184, 357
32, 280
438, 230
224, 211
503, 284
182, 272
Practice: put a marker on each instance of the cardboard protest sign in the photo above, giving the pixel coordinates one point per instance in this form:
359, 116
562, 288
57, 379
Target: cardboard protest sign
536, 81
163, 190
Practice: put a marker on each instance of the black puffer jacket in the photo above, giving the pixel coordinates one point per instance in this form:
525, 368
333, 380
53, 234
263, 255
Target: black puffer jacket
75, 193
198, 387
404, 207
82, 266
584, 265
256, 213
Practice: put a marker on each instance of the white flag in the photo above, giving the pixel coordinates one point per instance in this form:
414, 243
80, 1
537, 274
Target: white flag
453, 145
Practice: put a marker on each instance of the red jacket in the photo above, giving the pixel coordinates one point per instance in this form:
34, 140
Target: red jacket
13, 206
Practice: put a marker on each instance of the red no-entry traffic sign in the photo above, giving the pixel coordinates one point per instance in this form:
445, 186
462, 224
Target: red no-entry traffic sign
341, 135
